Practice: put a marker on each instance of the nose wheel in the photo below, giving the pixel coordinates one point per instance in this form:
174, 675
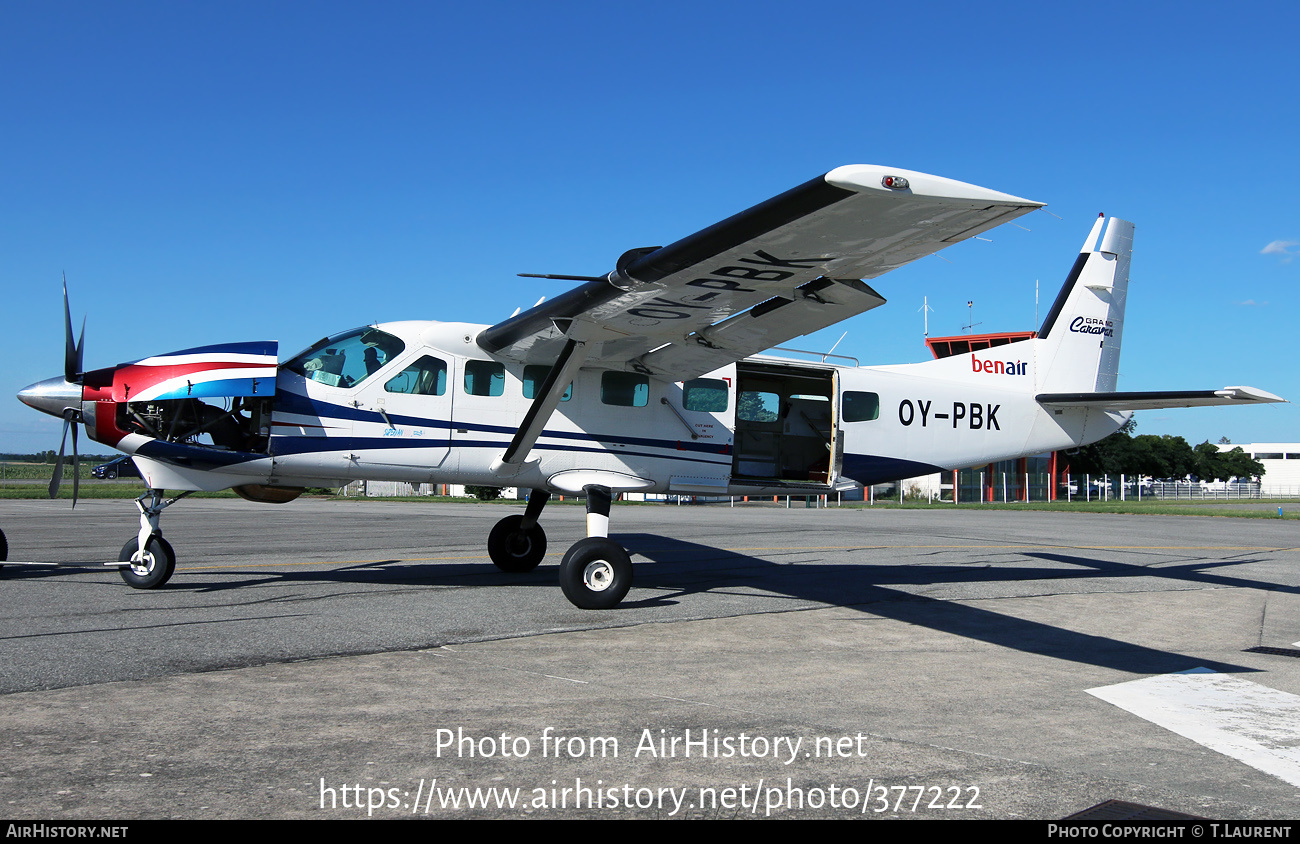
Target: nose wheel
151, 568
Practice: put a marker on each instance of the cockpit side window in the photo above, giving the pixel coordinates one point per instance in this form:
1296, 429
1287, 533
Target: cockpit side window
426, 377
347, 359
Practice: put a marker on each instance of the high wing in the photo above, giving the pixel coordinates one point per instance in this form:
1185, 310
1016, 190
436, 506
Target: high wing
1154, 400
786, 267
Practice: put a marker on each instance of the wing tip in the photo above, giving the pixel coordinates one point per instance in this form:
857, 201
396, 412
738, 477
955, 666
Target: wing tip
860, 178
1251, 394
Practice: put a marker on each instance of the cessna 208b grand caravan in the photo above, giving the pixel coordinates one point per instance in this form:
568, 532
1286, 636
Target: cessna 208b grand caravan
648, 378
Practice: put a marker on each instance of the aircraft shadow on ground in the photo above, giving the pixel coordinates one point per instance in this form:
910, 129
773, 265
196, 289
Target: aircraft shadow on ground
866, 588
679, 568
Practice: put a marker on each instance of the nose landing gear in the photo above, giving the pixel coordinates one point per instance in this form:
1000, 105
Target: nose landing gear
154, 566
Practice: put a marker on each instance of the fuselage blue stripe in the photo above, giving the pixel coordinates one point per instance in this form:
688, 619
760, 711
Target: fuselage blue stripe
286, 446
328, 413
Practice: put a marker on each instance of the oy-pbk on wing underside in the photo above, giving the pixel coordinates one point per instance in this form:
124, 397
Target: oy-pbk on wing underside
648, 378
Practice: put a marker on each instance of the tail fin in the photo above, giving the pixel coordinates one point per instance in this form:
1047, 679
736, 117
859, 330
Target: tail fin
1077, 349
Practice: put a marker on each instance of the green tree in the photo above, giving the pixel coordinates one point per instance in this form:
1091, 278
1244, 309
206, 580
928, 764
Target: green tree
1104, 456
752, 408
1215, 465
1159, 456
1164, 457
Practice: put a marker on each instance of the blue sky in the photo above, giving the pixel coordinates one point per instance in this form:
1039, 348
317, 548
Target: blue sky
211, 172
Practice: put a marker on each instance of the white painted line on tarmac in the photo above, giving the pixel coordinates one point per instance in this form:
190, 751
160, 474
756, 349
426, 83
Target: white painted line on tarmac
85, 565
1244, 720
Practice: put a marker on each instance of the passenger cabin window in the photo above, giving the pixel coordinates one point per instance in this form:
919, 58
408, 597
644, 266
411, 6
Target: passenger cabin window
624, 389
484, 378
708, 395
861, 407
426, 377
535, 376
347, 359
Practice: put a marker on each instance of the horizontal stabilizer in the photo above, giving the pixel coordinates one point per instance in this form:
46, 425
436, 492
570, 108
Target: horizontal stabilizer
1155, 399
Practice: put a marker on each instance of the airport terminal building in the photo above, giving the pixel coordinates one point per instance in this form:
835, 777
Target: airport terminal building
1281, 465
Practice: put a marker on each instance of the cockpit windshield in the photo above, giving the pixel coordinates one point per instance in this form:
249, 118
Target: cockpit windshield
347, 359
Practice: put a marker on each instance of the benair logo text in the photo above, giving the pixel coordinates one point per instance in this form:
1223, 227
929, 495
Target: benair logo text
998, 367
1091, 325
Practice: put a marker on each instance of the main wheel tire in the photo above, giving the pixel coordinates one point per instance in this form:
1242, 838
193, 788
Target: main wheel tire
596, 573
154, 570
4, 548
516, 550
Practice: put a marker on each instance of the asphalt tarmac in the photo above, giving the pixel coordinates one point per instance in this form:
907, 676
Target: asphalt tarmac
332, 659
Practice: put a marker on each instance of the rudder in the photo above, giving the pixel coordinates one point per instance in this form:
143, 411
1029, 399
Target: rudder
1077, 348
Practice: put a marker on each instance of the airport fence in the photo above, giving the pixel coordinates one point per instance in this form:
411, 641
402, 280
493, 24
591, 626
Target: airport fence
1110, 488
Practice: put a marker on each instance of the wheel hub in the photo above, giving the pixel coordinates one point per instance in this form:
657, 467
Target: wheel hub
598, 575
141, 563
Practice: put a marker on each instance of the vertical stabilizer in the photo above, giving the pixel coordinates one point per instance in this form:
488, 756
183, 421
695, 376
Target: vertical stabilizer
1077, 349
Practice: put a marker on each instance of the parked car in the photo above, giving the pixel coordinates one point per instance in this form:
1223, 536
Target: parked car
118, 467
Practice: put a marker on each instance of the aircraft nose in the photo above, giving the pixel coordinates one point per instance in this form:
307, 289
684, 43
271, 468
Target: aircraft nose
52, 396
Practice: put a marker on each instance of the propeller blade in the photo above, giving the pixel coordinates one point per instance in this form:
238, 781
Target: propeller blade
72, 352
81, 350
57, 478
69, 348
76, 463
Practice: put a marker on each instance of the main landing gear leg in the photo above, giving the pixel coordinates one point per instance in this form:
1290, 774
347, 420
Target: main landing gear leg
152, 567
518, 543
596, 572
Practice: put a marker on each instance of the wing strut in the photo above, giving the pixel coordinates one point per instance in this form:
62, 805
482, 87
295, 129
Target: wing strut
539, 412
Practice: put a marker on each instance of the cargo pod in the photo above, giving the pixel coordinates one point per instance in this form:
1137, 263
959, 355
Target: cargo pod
785, 426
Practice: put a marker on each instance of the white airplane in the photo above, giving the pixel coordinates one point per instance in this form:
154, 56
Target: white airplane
645, 379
